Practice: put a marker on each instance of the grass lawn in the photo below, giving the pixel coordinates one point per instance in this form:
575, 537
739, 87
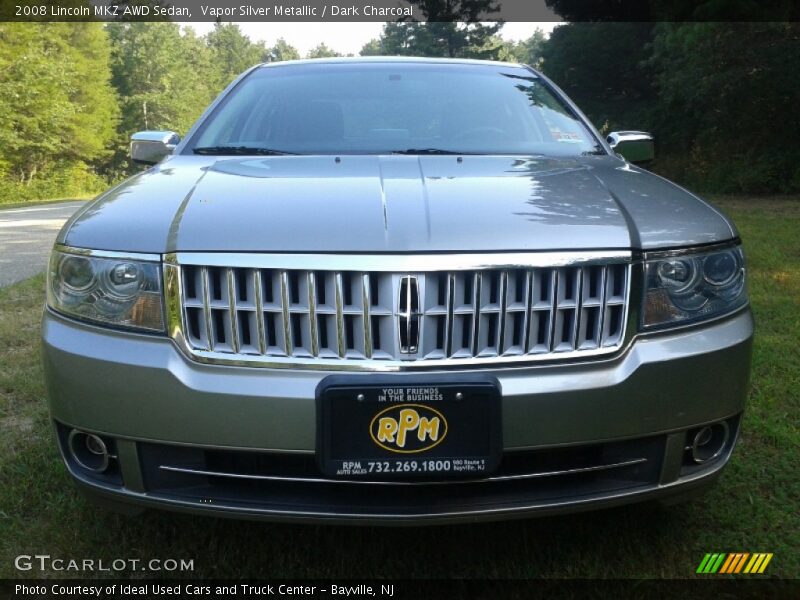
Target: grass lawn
754, 508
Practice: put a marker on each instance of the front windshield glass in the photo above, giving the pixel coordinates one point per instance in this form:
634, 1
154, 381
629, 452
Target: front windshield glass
385, 107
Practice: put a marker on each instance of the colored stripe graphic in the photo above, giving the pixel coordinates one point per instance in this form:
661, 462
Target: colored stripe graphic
734, 562
754, 563
728, 562
703, 563
765, 563
714, 563
718, 563
737, 566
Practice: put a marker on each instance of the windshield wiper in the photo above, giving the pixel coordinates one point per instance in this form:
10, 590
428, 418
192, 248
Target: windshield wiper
240, 150
427, 151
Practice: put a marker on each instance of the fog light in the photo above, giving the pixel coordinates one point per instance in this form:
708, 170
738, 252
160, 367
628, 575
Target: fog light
89, 451
708, 443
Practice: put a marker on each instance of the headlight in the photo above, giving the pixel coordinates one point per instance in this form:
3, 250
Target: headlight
692, 286
115, 291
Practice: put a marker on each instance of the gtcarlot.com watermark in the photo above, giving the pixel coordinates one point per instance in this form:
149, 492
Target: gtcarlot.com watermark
45, 562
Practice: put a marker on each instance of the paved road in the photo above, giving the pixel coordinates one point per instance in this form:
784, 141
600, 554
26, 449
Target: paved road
26, 238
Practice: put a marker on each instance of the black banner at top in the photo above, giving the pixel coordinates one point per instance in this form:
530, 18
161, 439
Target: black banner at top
397, 10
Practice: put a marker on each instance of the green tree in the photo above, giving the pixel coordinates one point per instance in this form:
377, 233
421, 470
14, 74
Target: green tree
233, 52
727, 103
453, 40
458, 29
604, 68
164, 80
282, 50
372, 48
528, 51
57, 105
322, 51
454, 28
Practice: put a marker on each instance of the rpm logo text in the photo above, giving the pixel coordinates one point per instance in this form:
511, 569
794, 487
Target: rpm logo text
408, 428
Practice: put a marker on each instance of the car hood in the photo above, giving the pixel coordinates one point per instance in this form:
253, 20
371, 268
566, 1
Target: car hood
376, 204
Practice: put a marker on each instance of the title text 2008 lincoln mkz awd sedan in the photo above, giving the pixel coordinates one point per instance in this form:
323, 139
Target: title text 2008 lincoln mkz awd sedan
395, 291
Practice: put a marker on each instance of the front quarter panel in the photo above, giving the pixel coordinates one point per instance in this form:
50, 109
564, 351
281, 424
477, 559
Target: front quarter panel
664, 214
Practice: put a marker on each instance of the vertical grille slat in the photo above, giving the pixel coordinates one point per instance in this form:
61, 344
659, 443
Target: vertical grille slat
340, 333
312, 312
448, 328
286, 320
259, 303
476, 311
207, 310
366, 302
233, 319
357, 315
576, 326
501, 335
551, 326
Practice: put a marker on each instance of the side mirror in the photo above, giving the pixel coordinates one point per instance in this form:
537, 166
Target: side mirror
634, 146
149, 147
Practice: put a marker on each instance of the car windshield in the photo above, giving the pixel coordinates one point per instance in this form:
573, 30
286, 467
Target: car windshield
389, 107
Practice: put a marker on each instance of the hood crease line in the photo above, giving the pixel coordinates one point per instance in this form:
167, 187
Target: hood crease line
174, 226
633, 231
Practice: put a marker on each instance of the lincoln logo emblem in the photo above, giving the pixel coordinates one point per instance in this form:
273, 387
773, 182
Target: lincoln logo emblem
408, 315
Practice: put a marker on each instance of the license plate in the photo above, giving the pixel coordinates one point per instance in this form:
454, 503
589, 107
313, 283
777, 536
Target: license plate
411, 428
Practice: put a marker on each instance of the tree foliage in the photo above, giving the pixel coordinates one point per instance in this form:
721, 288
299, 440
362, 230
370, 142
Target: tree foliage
57, 106
232, 52
720, 98
322, 51
372, 48
727, 103
603, 67
528, 51
164, 80
448, 40
282, 50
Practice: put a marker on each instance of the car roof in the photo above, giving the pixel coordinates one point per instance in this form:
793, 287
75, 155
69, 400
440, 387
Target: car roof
389, 59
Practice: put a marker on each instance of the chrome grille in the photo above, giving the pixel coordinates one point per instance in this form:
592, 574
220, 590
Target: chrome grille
325, 317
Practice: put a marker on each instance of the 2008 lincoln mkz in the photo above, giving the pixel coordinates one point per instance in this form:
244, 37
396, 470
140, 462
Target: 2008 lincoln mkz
390, 290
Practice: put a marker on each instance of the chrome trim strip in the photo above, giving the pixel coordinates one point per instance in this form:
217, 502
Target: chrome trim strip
259, 302
703, 249
625, 495
312, 312
207, 308
337, 364
526, 320
287, 320
205, 473
233, 314
603, 307
477, 281
173, 303
107, 254
399, 263
366, 303
551, 324
337, 279
448, 324
503, 301
576, 323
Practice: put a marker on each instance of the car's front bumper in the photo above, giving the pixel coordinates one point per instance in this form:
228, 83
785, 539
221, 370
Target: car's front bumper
241, 441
